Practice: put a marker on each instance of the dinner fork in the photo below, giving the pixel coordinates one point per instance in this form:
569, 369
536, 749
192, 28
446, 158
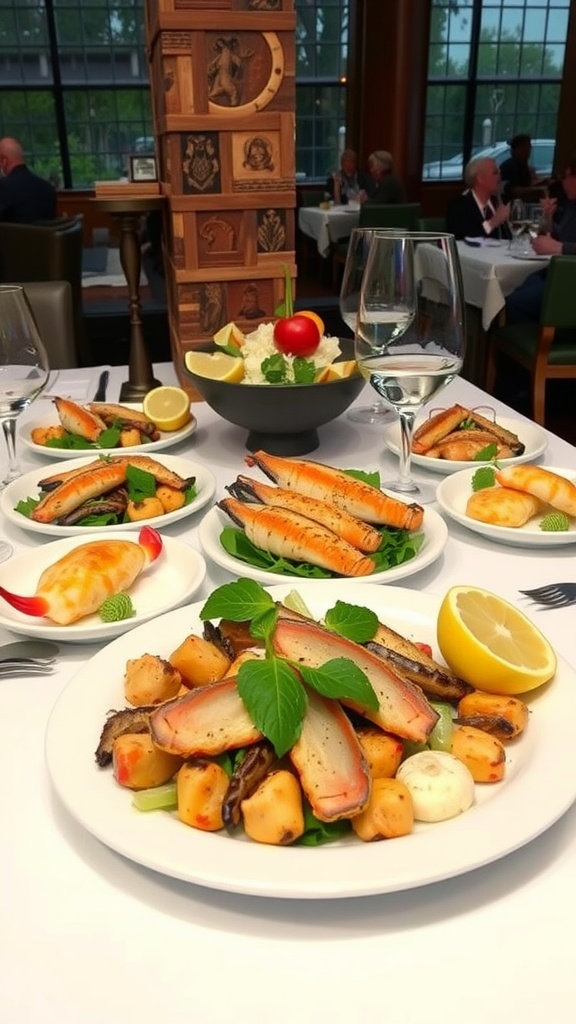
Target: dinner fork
26, 667
553, 595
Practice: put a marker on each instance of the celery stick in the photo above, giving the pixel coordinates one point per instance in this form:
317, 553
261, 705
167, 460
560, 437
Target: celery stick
159, 798
441, 736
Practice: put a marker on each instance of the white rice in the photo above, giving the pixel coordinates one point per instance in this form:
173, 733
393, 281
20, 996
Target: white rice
259, 344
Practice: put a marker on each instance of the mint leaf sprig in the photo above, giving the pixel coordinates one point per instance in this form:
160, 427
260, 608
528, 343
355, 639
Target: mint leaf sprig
273, 689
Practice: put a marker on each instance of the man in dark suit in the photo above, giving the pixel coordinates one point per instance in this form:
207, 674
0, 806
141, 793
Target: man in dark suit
24, 197
478, 212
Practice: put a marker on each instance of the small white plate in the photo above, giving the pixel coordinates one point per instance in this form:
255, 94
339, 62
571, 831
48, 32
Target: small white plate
533, 438
172, 579
504, 818
50, 419
529, 256
452, 496
435, 537
27, 487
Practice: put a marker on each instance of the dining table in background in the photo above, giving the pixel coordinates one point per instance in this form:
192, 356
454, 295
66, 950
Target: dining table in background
88, 936
328, 226
489, 273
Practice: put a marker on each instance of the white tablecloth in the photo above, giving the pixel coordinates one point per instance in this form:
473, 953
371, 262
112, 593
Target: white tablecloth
489, 274
327, 226
88, 937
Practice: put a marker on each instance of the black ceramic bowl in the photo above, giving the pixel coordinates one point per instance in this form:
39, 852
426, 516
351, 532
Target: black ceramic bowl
281, 419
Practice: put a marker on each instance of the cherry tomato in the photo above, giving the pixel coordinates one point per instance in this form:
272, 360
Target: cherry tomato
296, 336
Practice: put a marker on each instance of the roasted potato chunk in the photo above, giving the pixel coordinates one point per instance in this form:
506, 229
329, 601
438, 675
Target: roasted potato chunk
388, 814
274, 813
201, 787
493, 706
150, 680
483, 755
382, 752
139, 764
170, 498
149, 508
199, 662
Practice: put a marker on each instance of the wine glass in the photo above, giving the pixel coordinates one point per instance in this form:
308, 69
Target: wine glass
358, 247
23, 366
410, 332
518, 222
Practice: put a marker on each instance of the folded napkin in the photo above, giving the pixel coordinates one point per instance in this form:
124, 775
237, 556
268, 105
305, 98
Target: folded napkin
79, 389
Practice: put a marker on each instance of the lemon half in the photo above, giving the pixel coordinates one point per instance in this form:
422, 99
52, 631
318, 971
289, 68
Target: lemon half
491, 644
216, 366
337, 371
167, 407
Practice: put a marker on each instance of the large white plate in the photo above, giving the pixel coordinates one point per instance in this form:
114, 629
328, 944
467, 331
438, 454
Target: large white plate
533, 438
452, 496
504, 818
50, 419
435, 537
27, 487
173, 578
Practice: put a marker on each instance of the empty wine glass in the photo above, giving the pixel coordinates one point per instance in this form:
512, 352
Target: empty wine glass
23, 366
356, 257
410, 330
518, 222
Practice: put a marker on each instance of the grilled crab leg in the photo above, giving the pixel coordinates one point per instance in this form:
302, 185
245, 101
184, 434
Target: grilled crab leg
355, 532
325, 483
290, 535
78, 583
161, 473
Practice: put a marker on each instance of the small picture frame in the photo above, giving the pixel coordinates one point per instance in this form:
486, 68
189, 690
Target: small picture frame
143, 168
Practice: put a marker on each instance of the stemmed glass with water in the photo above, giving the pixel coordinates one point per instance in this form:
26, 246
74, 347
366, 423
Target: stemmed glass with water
410, 331
519, 222
356, 257
24, 367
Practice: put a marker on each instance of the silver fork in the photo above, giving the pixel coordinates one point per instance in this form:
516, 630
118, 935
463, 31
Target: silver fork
26, 667
553, 595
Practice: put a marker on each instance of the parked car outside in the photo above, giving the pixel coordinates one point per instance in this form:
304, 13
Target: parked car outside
453, 169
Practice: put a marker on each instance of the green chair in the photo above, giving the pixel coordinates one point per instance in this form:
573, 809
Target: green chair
432, 224
390, 215
546, 349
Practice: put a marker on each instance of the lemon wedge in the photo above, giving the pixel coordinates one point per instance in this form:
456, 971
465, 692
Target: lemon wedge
491, 644
167, 407
229, 335
337, 371
216, 366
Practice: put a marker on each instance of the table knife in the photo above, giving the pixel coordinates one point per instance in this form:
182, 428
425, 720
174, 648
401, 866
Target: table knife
100, 393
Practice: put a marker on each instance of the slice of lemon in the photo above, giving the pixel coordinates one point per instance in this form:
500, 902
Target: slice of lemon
230, 335
216, 365
337, 371
491, 644
167, 407
313, 316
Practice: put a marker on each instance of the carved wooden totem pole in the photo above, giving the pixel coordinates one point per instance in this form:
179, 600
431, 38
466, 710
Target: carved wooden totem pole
222, 79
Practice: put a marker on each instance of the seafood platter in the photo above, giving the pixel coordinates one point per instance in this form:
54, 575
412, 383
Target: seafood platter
83, 495
451, 439
101, 427
313, 521
525, 506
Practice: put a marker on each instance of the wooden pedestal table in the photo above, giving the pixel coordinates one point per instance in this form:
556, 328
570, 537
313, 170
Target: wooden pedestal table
128, 211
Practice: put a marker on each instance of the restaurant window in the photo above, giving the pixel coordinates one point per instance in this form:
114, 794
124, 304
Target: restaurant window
74, 85
321, 68
494, 70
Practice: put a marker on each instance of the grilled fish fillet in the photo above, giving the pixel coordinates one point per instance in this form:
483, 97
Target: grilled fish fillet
76, 491
437, 427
